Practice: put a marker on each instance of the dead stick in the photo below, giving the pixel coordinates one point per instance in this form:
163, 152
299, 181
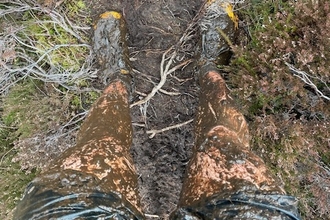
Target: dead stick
154, 132
161, 82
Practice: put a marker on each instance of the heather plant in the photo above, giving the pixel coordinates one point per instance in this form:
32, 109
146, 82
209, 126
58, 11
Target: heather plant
282, 83
279, 75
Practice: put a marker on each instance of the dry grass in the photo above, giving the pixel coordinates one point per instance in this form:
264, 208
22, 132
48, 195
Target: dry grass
281, 82
46, 65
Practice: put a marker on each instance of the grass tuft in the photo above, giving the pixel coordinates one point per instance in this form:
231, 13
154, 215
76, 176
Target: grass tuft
45, 88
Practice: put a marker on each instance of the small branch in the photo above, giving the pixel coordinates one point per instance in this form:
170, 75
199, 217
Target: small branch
306, 78
163, 75
75, 119
152, 216
173, 52
154, 132
34, 60
169, 93
7, 127
4, 155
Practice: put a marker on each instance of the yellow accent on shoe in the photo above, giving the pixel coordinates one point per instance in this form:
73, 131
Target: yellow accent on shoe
231, 14
123, 71
114, 14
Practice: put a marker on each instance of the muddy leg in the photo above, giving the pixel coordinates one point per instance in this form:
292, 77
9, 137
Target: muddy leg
95, 179
222, 162
223, 171
224, 179
103, 146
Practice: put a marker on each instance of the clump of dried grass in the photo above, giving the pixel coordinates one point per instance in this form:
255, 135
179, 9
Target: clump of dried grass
46, 65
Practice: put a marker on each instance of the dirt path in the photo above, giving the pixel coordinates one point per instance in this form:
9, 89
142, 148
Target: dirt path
153, 27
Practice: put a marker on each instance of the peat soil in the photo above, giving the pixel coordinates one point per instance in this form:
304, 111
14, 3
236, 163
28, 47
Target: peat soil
153, 27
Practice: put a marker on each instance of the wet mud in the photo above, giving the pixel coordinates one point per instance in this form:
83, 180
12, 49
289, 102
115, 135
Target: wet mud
160, 162
224, 179
113, 148
152, 27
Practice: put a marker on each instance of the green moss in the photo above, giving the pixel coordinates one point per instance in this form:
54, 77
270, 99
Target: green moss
26, 112
91, 97
78, 10
17, 108
12, 179
9, 118
54, 39
76, 102
31, 107
245, 63
84, 101
325, 157
75, 7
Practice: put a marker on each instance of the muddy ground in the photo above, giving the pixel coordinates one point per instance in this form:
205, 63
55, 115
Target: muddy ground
289, 120
153, 27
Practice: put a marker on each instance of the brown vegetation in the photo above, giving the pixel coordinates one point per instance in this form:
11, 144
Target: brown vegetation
281, 80
279, 75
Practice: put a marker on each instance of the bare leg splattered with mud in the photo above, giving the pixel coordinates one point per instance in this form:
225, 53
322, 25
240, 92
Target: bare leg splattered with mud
224, 178
96, 178
103, 145
222, 161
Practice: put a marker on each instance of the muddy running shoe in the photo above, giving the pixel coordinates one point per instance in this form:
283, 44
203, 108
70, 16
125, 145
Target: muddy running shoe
217, 24
111, 48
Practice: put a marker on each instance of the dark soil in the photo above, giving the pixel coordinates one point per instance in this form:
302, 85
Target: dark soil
289, 123
153, 27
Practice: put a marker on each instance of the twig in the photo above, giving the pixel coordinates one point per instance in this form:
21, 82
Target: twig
160, 90
7, 127
306, 78
154, 132
169, 57
169, 93
33, 59
74, 121
152, 216
164, 72
4, 155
